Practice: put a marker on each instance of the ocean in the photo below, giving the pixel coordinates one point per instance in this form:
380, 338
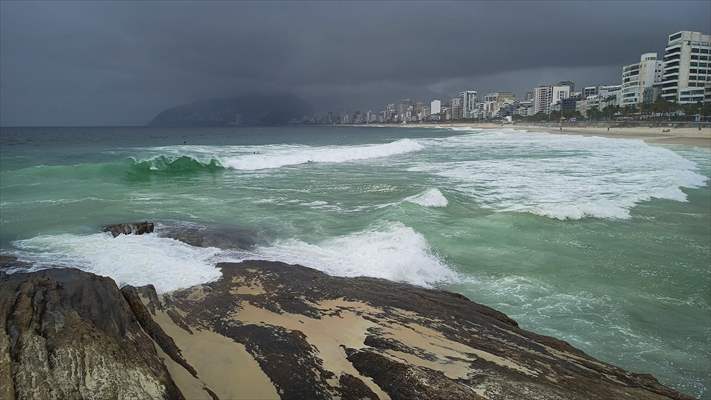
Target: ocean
604, 243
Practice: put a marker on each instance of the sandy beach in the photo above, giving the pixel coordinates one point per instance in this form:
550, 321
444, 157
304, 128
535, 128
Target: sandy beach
658, 135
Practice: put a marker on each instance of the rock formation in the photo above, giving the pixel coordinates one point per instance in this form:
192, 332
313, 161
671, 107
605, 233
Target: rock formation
134, 228
271, 330
68, 334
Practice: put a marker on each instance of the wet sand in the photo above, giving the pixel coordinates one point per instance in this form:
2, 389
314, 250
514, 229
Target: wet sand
653, 135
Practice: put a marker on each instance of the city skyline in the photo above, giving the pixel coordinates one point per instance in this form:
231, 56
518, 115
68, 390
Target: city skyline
680, 74
121, 63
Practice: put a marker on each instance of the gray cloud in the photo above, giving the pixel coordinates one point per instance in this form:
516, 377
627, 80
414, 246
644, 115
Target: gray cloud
79, 63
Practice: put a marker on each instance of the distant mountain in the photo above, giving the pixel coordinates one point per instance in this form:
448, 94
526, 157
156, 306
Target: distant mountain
247, 110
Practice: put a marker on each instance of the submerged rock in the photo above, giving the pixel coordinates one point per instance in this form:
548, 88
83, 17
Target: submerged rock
136, 228
271, 330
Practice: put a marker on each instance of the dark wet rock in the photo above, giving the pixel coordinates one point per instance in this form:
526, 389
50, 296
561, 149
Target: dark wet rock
8, 262
317, 336
68, 334
272, 330
141, 312
353, 388
406, 381
220, 236
135, 228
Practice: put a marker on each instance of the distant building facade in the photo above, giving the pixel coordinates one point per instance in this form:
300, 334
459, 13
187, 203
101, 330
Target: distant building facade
547, 97
457, 109
469, 103
640, 77
687, 68
435, 107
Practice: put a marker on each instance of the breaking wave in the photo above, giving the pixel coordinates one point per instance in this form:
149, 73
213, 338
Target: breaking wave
174, 165
251, 158
559, 176
395, 252
129, 259
429, 198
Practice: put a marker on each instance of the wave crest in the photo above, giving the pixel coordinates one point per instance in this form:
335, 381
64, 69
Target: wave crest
429, 198
174, 165
146, 259
251, 158
395, 252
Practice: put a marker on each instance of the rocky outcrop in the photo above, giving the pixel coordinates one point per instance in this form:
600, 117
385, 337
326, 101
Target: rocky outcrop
68, 334
272, 330
321, 337
135, 228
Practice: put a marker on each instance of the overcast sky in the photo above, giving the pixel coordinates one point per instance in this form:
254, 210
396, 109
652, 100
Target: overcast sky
104, 63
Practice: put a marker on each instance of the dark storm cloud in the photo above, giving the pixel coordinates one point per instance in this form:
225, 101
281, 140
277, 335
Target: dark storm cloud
73, 63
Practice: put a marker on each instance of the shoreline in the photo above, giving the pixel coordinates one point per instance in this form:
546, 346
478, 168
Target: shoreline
658, 135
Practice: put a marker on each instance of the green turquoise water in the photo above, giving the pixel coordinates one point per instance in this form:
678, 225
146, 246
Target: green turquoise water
605, 243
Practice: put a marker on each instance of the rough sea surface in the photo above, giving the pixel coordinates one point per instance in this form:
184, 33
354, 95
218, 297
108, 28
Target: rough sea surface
605, 243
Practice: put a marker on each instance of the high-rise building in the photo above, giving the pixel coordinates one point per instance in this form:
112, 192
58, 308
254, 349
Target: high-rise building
589, 91
391, 113
640, 77
687, 68
469, 100
569, 84
542, 96
608, 91
435, 107
456, 107
547, 96
560, 92
524, 108
403, 108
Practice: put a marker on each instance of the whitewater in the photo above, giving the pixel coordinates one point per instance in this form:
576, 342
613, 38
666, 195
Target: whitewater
582, 238
557, 176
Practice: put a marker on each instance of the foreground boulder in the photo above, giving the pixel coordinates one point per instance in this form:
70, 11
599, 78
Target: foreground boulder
269, 330
135, 228
68, 334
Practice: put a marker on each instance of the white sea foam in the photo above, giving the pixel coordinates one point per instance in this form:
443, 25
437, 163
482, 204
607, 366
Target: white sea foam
251, 158
429, 198
128, 259
395, 252
560, 176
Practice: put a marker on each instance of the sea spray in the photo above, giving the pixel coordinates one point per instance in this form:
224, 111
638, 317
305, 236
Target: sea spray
129, 259
392, 251
429, 198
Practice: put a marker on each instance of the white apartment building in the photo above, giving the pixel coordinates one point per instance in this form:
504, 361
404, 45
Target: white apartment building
542, 96
494, 101
687, 68
609, 90
524, 108
456, 105
546, 96
589, 91
435, 106
559, 93
638, 77
469, 100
